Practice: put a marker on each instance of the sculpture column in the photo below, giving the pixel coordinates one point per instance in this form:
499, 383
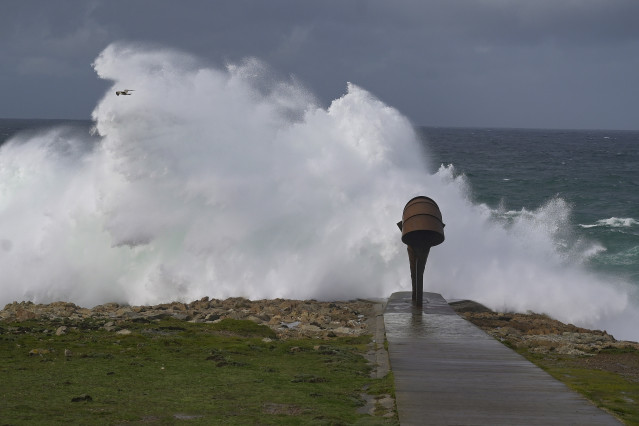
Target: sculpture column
422, 228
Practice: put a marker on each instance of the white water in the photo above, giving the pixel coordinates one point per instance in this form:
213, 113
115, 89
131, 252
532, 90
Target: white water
220, 183
614, 222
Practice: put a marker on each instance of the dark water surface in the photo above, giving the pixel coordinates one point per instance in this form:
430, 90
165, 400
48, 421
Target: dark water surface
595, 171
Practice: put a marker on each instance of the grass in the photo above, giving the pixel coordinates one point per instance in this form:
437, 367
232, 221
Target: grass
608, 390
231, 372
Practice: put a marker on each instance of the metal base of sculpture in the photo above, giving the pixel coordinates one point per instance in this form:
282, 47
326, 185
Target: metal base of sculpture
417, 267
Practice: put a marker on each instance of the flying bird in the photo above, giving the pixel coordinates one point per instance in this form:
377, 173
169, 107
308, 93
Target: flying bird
124, 92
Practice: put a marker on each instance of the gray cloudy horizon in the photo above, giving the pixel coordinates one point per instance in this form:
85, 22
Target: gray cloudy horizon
485, 63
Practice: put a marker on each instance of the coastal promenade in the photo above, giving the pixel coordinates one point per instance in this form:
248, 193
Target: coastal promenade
449, 372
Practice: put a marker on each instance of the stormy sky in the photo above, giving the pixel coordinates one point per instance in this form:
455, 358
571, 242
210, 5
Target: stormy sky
474, 63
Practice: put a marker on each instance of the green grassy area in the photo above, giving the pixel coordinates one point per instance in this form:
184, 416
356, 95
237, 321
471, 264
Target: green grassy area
168, 371
611, 391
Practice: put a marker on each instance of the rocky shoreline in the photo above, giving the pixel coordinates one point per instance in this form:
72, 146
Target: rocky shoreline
539, 333
288, 318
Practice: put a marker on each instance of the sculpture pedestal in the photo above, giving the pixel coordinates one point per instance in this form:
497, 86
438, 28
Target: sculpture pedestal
417, 261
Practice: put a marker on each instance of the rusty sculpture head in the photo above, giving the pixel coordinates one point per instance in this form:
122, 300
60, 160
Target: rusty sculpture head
422, 228
421, 225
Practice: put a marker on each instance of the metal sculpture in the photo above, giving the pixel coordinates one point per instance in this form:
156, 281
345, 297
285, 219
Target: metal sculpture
422, 228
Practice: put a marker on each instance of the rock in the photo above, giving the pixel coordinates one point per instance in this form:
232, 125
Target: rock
180, 316
275, 320
61, 330
293, 324
67, 353
176, 306
123, 332
468, 306
507, 332
232, 314
254, 319
109, 326
212, 317
201, 304
24, 315
310, 329
107, 307
122, 312
344, 331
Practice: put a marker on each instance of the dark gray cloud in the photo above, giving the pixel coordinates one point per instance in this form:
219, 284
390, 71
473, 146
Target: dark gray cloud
571, 64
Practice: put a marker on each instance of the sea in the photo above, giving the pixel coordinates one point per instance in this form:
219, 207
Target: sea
595, 172
221, 183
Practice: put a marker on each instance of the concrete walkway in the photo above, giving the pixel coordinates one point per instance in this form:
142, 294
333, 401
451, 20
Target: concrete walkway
449, 372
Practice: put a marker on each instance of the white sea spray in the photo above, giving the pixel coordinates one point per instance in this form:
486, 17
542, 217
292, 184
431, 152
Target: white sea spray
229, 182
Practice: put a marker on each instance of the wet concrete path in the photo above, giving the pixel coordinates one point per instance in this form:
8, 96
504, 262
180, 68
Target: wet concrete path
449, 372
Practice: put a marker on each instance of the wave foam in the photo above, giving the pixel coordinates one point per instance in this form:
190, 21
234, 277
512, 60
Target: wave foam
613, 222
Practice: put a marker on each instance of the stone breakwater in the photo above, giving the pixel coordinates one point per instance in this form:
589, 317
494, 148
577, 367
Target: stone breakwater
288, 318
